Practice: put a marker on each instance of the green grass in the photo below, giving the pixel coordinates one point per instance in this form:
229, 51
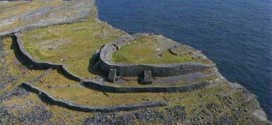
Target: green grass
145, 51
62, 88
81, 41
15, 68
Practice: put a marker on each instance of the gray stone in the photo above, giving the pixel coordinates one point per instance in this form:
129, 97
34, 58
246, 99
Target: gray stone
180, 50
147, 77
112, 75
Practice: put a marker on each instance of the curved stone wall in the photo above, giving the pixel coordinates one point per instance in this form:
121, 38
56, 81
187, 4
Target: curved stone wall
37, 64
51, 100
96, 84
41, 25
158, 70
173, 89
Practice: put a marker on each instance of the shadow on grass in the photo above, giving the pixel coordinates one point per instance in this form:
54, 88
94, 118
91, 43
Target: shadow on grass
29, 64
25, 61
94, 66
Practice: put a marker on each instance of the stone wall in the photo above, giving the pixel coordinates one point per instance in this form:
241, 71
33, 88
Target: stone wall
51, 100
158, 70
65, 13
34, 64
40, 25
168, 89
96, 84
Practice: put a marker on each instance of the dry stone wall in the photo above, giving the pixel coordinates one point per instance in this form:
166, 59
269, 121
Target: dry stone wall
158, 70
37, 64
96, 84
40, 25
51, 100
154, 89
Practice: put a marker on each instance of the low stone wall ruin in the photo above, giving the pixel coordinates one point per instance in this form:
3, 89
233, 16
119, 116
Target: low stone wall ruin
128, 107
158, 70
37, 64
40, 25
154, 89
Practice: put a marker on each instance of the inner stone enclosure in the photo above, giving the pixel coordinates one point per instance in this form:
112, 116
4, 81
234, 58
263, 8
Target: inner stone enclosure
149, 58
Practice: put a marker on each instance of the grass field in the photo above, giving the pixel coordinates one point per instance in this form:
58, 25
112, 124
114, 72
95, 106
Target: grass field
70, 44
146, 50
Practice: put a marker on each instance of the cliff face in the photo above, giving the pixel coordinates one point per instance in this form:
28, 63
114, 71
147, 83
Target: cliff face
57, 59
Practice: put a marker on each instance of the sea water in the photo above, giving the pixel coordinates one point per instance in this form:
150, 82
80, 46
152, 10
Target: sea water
235, 34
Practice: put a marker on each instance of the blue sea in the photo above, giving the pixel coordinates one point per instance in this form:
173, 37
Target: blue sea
235, 34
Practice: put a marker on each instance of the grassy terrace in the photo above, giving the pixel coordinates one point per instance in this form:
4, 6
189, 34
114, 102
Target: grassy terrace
146, 50
62, 88
70, 44
65, 89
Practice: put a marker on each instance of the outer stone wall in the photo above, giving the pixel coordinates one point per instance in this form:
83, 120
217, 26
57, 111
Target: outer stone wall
40, 25
49, 99
158, 70
37, 64
173, 89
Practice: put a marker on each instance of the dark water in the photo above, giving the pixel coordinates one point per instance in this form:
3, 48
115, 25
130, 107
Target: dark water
235, 34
